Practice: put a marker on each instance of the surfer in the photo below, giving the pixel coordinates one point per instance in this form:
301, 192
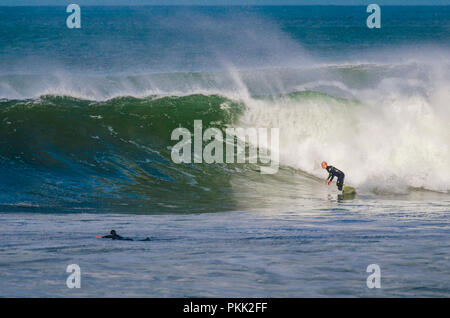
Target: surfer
334, 172
113, 235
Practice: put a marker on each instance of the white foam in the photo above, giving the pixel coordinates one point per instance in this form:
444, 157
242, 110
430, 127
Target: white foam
396, 137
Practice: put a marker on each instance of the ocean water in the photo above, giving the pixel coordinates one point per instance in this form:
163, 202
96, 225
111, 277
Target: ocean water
86, 117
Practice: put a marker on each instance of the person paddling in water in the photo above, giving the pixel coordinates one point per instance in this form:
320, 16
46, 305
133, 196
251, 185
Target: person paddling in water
334, 172
113, 235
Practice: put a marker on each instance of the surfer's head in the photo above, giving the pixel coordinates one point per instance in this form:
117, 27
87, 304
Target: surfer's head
324, 164
113, 232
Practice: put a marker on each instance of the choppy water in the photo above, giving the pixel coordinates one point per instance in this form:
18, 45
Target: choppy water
322, 252
85, 123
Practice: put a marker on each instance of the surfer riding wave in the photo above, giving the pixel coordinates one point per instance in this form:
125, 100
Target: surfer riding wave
334, 172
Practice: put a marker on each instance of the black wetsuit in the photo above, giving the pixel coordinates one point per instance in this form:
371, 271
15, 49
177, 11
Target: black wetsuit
334, 172
118, 237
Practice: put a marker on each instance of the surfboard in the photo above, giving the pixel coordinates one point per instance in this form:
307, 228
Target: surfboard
348, 190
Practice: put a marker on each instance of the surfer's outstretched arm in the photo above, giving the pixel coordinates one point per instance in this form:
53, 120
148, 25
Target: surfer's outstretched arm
113, 235
330, 177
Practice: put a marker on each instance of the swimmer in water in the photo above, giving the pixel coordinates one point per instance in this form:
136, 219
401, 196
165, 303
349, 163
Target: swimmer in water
114, 236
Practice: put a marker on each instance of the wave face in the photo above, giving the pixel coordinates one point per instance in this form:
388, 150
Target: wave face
69, 152
92, 131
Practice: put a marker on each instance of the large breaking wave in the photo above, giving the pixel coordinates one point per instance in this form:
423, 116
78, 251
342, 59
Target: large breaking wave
91, 129
385, 126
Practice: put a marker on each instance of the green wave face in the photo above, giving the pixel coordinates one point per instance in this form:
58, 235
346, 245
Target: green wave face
61, 152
